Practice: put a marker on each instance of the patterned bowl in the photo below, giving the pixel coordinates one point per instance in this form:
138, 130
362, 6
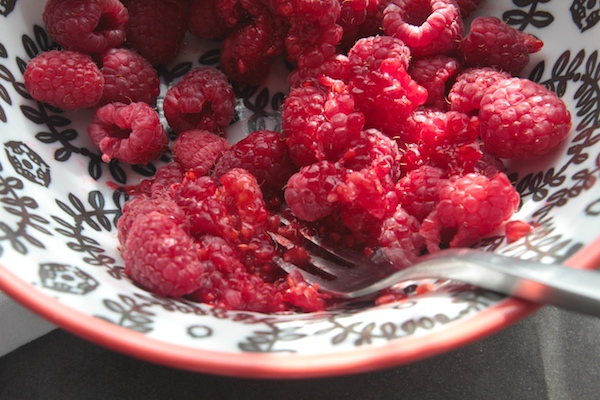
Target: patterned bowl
58, 246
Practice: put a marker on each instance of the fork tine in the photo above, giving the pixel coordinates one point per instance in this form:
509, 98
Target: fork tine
308, 276
323, 265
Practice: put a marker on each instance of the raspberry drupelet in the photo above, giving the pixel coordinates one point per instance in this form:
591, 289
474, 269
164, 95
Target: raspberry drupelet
92, 26
65, 79
493, 43
521, 119
426, 26
128, 77
130, 133
202, 99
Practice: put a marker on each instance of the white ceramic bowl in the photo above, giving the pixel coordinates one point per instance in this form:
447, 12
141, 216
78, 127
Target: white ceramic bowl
58, 253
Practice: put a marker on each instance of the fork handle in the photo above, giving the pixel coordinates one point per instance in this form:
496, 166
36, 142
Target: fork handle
553, 284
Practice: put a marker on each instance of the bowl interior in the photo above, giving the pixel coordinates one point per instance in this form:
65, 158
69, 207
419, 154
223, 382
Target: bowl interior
58, 246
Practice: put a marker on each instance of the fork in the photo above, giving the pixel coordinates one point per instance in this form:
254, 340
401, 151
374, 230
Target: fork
353, 276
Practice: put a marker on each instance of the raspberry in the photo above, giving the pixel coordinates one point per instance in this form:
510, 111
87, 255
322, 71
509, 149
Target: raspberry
516, 230
265, 155
374, 152
140, 205
91, 26
470, 207
128, 78
301, 118
156, 28
432, 128
130, 133
245, 200
321, 61
342, 126
198, 150
418, 190
205, 210
246, 53
400, 239
521, 119
362, 193
467, 91
65, 79
426, 26
202, 99
467, 6
228, 285
310, 192
368, 53
161, 256
434, 73
493, 43
204, 21
166, 178
387, 96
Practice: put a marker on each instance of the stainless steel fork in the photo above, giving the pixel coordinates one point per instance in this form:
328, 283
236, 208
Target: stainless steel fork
352, 276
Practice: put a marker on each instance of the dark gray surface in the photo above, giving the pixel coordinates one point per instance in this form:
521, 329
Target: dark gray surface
550, 355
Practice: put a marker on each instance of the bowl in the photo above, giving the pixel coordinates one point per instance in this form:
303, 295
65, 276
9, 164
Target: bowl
58, 240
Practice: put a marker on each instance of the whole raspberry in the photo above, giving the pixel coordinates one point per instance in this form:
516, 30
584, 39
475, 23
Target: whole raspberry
434, 73
493, 43
310, 193
202, 99
467, 91
400, 239
418, 190
470, 207
521, 119
65, 79
130, 133
426, 26
128, 78
265, 155
343, 124
301, 117
374, 152
140, 205
368, 53
157, 28
91, 26
386, 96
246, 52
198, 150
204, 21
161, 256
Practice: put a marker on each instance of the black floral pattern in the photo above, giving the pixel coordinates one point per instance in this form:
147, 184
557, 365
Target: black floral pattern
37, 209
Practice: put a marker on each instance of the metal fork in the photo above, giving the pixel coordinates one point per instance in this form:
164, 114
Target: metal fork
352, 276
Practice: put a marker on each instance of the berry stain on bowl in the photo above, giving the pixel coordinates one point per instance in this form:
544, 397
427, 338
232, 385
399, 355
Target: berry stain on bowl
409, 125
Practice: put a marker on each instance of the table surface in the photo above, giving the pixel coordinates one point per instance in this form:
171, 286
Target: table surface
553, 354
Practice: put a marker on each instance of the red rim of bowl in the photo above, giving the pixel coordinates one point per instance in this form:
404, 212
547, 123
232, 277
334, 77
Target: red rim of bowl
250, 365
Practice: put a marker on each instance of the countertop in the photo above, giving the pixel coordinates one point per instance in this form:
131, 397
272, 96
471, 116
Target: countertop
552, 354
